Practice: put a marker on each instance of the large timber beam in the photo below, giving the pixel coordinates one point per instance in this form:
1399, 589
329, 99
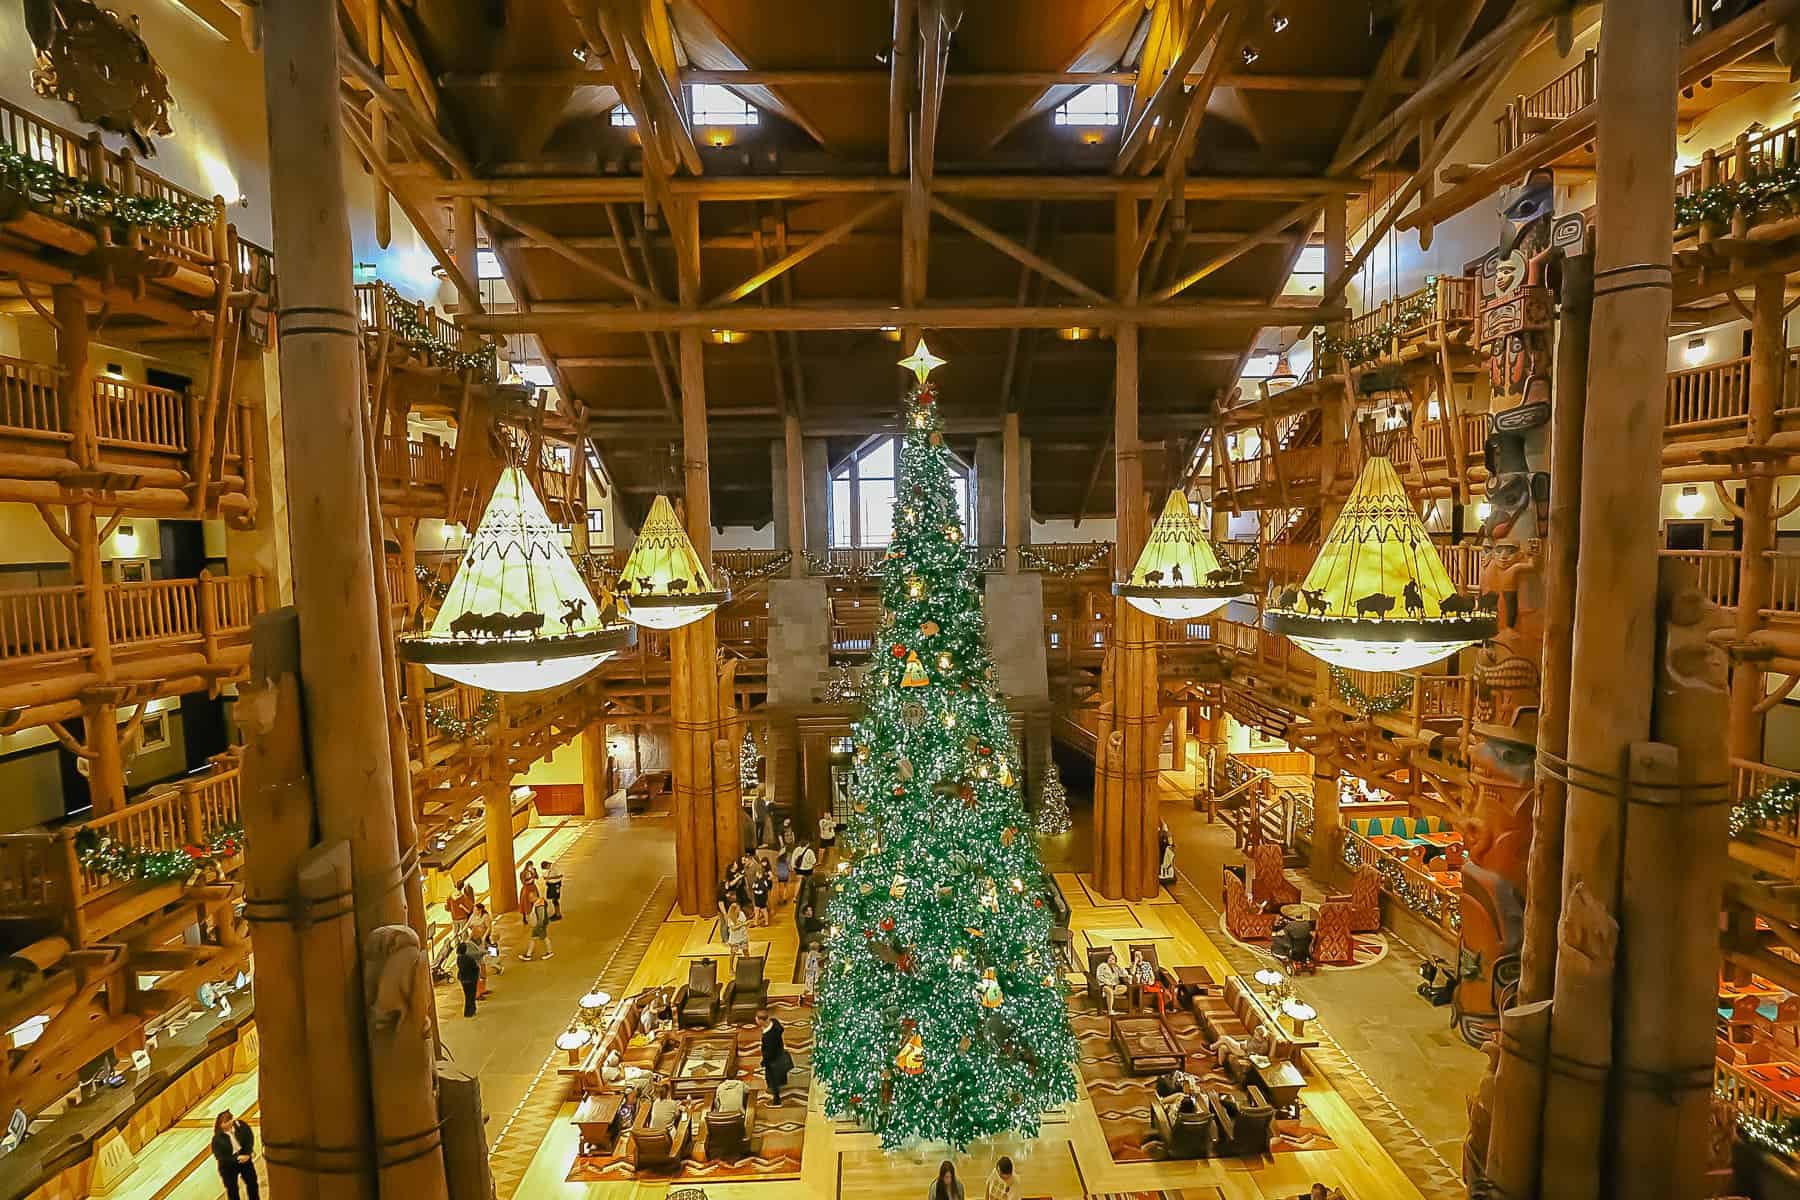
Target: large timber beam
552, 189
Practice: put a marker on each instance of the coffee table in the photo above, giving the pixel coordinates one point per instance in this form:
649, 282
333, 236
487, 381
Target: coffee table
1281, 1083
707, 1060
1301, 911
1146, 1045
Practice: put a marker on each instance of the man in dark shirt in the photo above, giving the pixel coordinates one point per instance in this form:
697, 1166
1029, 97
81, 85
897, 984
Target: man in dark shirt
234, 1150
775, 1060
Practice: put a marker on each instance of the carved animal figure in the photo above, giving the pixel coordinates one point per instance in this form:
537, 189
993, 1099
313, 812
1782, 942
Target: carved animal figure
528, 623
1153, 578
1379, 603
1490, 602
646, 584
1315, 600
1175, 574
1457, 605
1415, 602
1288, 598
677, 585
573, 611
1221, 576
468, 623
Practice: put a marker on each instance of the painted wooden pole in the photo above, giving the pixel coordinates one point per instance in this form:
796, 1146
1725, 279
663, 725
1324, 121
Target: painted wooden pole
1768, 366
341, 629
1675, 859
1615, 621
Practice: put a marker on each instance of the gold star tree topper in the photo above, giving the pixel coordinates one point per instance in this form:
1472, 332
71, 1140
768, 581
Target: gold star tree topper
922, 362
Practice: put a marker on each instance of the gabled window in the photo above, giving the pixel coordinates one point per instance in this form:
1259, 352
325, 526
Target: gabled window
863, 489
621, 116
1097, 104
712, 104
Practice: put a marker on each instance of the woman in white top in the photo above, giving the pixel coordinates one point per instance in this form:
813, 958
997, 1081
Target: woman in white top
737, 934
827, 834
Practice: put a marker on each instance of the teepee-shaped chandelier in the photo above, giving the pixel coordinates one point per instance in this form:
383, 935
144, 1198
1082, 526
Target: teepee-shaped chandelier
664, 584
1178, 575
518, 616
1377, 596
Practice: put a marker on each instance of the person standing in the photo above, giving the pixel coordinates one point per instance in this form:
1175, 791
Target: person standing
737, 934
775, 1058
234, 1150
805, 859
461, 906
537, 922
1002, 1182
784, 878
946, 1186
468, 974
761, 882
552, 876
827, 835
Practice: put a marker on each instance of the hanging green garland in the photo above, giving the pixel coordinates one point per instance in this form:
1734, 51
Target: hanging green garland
1776, 189
1777, 1137
1371, 706
1031, 560
88, 200
446, 722
1780, 799
103, 855
407, 320
1424, 902
1375, 343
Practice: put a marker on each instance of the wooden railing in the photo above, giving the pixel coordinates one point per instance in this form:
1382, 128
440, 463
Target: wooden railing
28, 403
153, 611
1784, 586
1441, 905
41, 624
745, 564
1749, 154
1710, 397
1750, 778
373, 312
136, 416
414, 462
1745, 1095
1462, 562
235, 600
188, 814
1439, 697
1434, 439
1457, 300
33, 882
1525, 116
1715, 573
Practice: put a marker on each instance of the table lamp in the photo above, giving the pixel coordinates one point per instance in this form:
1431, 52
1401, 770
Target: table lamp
573, 1040
1299, 1012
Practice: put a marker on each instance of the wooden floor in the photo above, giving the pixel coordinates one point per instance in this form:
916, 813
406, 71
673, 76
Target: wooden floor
1068, 1161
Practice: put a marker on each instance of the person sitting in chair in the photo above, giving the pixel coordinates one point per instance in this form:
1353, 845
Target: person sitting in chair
1111, 982
1229, 1049
1145, 982
664, 1109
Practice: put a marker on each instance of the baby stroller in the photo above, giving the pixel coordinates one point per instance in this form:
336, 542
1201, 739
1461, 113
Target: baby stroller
1439, 981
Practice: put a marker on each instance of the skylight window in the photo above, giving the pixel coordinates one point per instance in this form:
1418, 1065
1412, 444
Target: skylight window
713, 104
1097, 104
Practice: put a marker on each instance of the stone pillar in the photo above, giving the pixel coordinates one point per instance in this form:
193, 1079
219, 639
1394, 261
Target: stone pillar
791, 498
817, 491
990, 493
1016, 522
799, 641
593, 771
1615, 604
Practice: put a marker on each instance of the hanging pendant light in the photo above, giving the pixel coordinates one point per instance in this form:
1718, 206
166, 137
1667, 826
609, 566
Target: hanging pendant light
1178, 575
518, 617
664, 584
1377, 596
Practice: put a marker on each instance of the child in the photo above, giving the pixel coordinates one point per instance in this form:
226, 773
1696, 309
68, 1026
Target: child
552, 877
810, 967
760, 884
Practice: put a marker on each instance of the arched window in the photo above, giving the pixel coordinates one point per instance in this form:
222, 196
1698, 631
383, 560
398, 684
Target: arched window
862, 494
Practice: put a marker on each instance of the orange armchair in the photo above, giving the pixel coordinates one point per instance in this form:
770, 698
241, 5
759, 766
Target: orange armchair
1268, 878
1364, 899
1332, 941
1243, 920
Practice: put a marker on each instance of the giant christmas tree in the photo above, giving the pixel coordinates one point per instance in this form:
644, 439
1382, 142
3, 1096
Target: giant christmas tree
941, 1008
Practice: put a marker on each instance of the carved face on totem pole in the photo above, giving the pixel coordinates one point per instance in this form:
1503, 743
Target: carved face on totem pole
1516, 325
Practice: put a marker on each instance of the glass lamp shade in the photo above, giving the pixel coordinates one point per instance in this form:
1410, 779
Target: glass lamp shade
518, 616
664, 584
1178, 576
1377, 597
573, 1039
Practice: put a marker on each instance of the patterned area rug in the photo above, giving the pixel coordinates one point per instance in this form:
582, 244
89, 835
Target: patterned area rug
780, 1131
1367, 948
1122, 1100
1204, 1192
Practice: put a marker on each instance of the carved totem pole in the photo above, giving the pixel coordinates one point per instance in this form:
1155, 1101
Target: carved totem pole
1517, 284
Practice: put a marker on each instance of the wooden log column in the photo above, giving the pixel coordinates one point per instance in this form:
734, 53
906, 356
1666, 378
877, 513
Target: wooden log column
1337, 420
594, 771
706, 836
395, 1148
1615, 595
1756, 570
502, 865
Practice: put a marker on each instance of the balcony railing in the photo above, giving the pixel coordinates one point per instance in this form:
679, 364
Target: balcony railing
415, 462
1434, 439
189, 814
39, 625
127, 416
1527, 116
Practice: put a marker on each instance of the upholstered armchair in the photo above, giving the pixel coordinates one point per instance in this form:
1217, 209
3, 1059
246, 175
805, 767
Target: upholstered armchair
728, 1134
748, 990
1183, 1134
697, 1003
1268, 878
1243, 921
1332, 942
1095, 956
1243, 1125
1364, 899
658, 1147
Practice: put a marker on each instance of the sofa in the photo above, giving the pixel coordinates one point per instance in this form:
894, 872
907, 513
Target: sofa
747, 990
1243, 1124
1243, 920
728, 1135
1184, 1134
1234, 1011
697, 1004
1268, 875
659, 1147
617, 1035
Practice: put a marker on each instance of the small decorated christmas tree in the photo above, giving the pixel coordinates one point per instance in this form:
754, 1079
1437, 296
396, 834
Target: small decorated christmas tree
747, 759
1053, 806
941, 1013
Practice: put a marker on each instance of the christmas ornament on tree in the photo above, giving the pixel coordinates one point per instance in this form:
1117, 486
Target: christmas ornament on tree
932, 802
1053, 805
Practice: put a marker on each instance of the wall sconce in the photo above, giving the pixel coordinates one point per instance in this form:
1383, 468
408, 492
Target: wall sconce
1695, 354
727, 337
1483, 510
1077, 333
125, 541
1689, 503
890, 333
